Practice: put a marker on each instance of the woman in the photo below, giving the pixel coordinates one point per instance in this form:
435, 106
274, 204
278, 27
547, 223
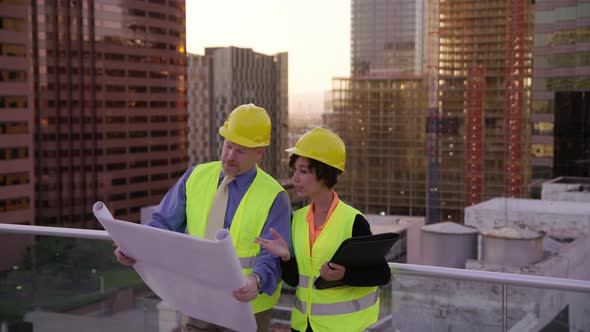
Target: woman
317, 231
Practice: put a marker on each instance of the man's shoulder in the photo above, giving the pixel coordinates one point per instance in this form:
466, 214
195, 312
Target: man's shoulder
267, 178
210, 166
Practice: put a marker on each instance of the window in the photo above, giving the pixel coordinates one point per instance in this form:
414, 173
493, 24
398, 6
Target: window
13, 102
14, 153
13, 76
12, 24
14, 128
12, 179
12, 50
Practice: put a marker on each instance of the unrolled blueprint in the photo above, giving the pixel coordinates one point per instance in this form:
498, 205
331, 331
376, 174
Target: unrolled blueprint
197, 276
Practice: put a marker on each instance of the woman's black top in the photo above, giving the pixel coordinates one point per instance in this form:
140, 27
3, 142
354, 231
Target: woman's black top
374, 276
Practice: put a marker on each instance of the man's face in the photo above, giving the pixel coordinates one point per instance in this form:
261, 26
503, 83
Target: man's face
237, 159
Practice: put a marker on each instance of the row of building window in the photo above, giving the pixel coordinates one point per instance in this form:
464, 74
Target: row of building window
158, 60
542, 150
163, 74
12, 179
110, 120
111, 151
117, 40
154, 30
15, 204
118, 104
12, 24
7, 49
137, 194
155, 15
139, 179
13, 76
120, 88
14, 128
13, 102
113, 167
135, 58
14, 153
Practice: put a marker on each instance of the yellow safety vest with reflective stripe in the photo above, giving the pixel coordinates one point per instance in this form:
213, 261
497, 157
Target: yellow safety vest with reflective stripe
248, 220
343, 308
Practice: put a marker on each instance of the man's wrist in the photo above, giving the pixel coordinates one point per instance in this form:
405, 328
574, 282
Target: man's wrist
258, 279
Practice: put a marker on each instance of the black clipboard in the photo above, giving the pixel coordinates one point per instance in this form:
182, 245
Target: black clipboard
359, 252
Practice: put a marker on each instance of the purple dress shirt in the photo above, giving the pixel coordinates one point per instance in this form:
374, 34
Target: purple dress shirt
170, 215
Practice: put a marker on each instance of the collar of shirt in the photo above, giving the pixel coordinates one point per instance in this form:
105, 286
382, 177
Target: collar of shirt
243, 180
314, 231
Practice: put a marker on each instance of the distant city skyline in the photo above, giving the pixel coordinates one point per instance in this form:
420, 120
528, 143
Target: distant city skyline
316, 34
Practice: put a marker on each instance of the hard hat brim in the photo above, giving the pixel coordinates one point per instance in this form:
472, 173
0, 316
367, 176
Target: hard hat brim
298, 152
243, 141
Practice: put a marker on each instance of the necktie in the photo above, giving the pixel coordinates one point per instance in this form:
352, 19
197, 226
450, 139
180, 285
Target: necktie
218, 207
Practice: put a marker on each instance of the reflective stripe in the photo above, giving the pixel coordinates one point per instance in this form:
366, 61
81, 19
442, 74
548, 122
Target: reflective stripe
339, 308
247, 262
300, 305
304, 281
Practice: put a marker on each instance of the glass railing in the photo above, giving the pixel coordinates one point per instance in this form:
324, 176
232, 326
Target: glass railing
427, 298
69, 284
70, 281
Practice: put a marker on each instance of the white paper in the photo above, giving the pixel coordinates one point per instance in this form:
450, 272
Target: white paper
197, 276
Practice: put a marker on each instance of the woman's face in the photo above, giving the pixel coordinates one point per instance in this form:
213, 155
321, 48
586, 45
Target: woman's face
304, 179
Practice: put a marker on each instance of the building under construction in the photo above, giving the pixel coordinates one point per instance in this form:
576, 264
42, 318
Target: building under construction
484, 91
454, 136
382, 122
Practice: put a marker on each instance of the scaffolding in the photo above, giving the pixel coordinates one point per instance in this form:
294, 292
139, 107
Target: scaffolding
484, 75
474, 137
385, 161
516, 57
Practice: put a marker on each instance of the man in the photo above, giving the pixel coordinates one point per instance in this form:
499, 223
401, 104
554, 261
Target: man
255, 203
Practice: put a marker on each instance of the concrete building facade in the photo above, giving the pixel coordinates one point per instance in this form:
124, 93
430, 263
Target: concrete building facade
110, 106
17, 151
561, 90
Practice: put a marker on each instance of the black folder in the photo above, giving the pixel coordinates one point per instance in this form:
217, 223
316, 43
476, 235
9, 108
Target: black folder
359, 252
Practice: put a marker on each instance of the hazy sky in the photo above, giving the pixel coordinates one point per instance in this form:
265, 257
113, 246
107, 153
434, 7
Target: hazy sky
315, 33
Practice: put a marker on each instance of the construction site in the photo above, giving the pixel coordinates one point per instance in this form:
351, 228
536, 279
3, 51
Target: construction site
451, 137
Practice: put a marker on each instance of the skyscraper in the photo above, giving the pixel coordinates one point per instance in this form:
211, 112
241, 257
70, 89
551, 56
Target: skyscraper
561, 90
110, 113
17, 195
226, 77
387, 37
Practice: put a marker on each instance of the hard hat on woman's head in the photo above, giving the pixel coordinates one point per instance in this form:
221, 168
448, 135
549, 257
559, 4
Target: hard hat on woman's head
322, 145
247, 125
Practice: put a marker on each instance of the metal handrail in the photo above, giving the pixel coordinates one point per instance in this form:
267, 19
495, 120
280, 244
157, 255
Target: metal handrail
55, 231
512, 279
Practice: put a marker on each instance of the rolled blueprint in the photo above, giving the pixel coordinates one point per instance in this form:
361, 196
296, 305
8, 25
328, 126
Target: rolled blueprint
196, 276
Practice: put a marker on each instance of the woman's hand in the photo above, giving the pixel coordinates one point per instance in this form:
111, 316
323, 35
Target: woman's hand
332, 271
277, 247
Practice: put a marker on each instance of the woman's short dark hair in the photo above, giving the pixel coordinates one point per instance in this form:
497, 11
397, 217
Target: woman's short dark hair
323, 172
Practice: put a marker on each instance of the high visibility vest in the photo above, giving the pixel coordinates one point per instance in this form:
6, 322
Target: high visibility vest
248, 220
343, 308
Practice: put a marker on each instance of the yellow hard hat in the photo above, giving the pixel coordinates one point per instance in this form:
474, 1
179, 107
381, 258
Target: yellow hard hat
322, 145
247, 125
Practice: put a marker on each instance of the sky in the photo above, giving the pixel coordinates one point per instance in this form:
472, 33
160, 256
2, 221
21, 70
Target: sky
315, 33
